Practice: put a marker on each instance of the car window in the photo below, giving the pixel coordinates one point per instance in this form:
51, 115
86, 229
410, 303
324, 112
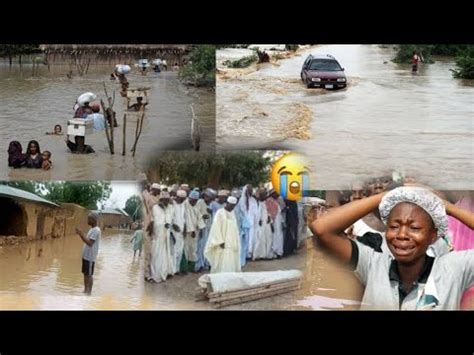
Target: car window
324, 65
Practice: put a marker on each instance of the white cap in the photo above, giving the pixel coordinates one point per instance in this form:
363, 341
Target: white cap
162, 187
223, 193
181, 193
232, 200
155, 186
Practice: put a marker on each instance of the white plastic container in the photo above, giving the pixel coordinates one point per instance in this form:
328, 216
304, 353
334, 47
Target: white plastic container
86, 97
80, 127
123, 69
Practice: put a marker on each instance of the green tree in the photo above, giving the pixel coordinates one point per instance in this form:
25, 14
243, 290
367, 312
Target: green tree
213, 170
133, 207
18, 50
86, 194
405, 52
465, 64
201, 69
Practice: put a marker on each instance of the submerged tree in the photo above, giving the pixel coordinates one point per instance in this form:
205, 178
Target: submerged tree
201, 68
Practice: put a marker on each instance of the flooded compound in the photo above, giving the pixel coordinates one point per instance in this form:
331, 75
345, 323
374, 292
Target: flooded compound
325, 285
386, 119
180, 291
33, 105
46, 274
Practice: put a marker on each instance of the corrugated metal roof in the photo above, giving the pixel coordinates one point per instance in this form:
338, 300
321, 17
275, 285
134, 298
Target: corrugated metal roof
14, 193
111, 211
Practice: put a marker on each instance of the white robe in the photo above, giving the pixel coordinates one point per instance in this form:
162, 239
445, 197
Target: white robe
278, 237
194, 223
224, 229
161, 264
251, 213
179, 219
263, 236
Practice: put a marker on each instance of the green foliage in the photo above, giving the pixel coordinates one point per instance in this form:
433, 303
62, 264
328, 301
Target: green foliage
133, 207
243, 62
201, 69
405, 53
465, 65
449, 49
207, 169
86, 194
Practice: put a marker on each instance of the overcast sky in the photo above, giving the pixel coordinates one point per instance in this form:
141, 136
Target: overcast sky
121, 192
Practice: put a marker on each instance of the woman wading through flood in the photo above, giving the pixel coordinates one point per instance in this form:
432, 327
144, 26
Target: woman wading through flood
406, 278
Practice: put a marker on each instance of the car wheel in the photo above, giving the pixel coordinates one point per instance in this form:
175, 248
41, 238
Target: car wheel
302, 79
309, 85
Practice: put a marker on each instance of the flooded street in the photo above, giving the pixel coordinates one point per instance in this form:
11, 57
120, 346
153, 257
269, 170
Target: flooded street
386, 119
33, 105
47, 275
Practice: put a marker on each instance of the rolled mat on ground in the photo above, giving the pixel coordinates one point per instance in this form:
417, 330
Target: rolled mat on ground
227, 288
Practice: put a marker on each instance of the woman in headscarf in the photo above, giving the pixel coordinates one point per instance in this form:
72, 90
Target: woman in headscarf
34, 159
407, 278
16, 158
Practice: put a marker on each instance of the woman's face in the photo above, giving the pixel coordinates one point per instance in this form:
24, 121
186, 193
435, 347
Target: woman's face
33, 148
410, 231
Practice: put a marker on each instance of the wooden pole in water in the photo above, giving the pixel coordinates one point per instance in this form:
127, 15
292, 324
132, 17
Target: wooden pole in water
124, 133
138, 132
111, 148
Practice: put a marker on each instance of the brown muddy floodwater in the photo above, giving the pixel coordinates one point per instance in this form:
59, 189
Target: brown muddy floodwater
32, 106
387, 119
47, 275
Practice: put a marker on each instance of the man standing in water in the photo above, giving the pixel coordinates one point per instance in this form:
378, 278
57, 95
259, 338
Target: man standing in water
90, 250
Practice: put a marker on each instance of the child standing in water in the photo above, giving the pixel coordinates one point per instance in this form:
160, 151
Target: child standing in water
137, 240
47, 164
58, 131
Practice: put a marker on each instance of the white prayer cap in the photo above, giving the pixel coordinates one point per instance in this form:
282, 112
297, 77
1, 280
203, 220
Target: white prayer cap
162, 187
232, 200
421, 197
155, 186
223, 193
164, 194
184, 186
181, 193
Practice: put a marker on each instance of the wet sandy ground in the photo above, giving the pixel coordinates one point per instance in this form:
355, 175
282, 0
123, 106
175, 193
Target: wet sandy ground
47, 275
387, 119
325, 285
33, 105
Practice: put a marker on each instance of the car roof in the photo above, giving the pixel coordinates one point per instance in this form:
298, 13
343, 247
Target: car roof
321, 56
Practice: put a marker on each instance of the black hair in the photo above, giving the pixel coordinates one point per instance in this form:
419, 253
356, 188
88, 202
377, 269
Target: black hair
28, 152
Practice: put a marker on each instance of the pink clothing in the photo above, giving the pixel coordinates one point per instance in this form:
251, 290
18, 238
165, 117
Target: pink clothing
462, 238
